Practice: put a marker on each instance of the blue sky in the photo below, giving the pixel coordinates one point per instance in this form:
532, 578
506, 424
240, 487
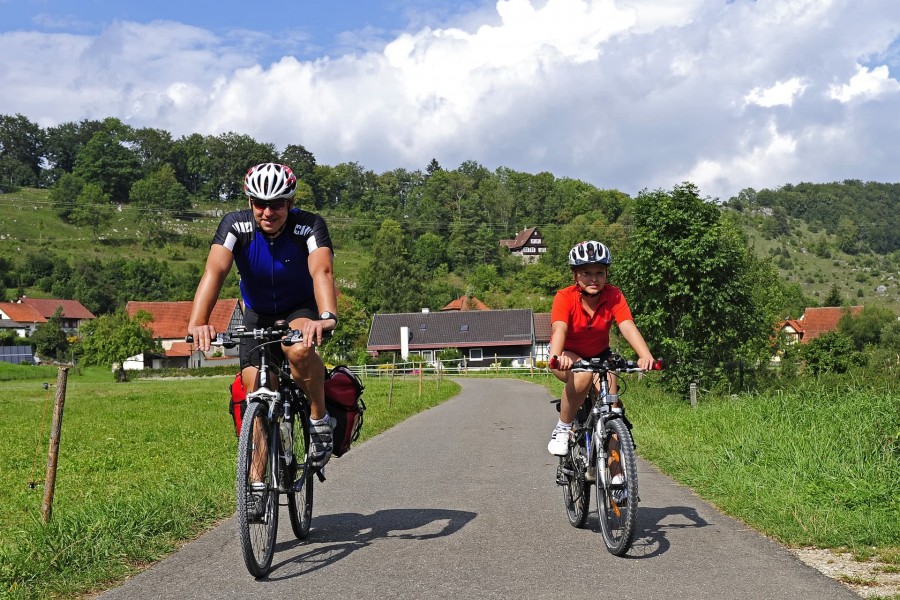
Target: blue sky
625, 94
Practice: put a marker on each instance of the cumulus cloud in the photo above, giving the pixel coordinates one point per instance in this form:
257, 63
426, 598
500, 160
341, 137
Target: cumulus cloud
866, 84
624, 94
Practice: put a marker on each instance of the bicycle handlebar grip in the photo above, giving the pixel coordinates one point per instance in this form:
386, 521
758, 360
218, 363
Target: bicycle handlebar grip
553, 363
657, 365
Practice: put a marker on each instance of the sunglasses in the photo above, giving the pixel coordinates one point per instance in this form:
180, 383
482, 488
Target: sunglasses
263, 205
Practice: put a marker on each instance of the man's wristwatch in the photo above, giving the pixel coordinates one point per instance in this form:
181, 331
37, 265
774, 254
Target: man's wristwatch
328, 315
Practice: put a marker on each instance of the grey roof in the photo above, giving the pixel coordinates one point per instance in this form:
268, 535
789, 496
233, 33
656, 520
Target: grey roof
542, 328
453, 329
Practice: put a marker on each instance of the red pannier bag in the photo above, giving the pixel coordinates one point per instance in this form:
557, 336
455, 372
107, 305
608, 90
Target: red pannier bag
238, 403
343, 401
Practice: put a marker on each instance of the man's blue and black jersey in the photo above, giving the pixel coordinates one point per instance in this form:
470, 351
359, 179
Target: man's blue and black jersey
274, 272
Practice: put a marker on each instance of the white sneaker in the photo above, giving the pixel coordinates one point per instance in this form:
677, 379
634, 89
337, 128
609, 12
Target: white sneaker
559, 441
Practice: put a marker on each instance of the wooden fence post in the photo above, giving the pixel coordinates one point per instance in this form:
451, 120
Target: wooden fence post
391, 389
53, 455
693, 395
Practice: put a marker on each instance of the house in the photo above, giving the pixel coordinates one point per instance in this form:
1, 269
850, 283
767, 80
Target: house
483, 336
170, 325
542, 336
466, 302
815, 322
73, 312
528, 244
21, 318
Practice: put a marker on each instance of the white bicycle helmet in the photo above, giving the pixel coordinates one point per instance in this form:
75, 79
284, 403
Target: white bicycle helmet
270, 181
589, 253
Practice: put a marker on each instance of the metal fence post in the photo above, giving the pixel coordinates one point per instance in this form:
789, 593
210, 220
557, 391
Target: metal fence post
693, 395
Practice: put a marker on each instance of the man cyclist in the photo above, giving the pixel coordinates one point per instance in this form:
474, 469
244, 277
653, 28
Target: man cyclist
285, 259
580, 320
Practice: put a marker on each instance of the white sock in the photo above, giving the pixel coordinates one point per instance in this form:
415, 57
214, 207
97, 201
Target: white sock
561, 425
319, 421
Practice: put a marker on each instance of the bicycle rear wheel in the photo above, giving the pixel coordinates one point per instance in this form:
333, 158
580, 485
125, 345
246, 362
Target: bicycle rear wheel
576, 491
617, 505
300, 498
257, 505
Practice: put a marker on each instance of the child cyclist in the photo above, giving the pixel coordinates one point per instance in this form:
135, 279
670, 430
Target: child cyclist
580, 321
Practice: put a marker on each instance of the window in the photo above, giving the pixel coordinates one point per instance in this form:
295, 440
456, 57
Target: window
475, 354
464, 327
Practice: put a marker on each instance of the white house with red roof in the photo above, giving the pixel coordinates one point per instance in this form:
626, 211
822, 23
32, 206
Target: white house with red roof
170, 326
25, 314
815, 321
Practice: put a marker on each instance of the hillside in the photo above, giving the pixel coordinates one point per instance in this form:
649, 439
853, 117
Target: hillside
30, 232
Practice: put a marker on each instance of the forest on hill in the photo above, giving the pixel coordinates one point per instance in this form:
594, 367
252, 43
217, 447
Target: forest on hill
104, 213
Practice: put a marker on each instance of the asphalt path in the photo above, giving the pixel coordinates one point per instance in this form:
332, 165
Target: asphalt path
460, 501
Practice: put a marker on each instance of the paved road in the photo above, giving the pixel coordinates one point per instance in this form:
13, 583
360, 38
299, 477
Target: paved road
461, 502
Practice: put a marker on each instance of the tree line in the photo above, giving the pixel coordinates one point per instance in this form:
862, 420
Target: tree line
696, 288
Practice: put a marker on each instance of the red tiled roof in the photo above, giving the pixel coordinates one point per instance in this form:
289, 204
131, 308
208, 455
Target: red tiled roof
816, 321
71, 309
170, 319
466, 303
22, 313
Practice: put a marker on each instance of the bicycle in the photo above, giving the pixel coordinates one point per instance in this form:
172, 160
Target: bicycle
600, 450
273, 450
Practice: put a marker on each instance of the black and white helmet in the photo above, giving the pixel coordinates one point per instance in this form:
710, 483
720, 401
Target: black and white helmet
589, 253
270, 181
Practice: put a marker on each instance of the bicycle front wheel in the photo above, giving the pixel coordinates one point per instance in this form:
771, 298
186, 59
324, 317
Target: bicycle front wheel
257, 494
300, 496
576, 491
617, 503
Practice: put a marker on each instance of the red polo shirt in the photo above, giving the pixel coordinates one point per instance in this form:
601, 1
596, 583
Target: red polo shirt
589, 336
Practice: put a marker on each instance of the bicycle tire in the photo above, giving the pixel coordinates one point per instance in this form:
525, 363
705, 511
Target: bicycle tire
576, 491
300, 502
618, 513
256, 533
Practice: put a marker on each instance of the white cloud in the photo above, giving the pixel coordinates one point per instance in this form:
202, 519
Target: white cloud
865, 84
782, 93
622, 93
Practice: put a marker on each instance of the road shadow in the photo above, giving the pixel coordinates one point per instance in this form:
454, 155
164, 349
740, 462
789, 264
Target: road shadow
652, 524
334, 537
650, 539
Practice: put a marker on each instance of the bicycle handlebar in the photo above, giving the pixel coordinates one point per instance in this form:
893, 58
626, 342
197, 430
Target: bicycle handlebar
280, 331
613, 362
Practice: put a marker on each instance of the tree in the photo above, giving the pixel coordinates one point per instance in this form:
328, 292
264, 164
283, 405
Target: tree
834, 297
699, 296
21, 147
106, 162
49, 339
865, 328
391, 283
114, 337
92, 208
352, 334
160, 194
831, 352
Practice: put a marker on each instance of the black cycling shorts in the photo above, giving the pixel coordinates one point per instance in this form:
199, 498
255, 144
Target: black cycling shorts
254, 320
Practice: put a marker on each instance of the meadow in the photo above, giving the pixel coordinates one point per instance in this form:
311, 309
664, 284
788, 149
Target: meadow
144, 466
148, 465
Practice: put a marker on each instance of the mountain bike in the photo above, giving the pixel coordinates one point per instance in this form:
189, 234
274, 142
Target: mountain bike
601, 453
273, 449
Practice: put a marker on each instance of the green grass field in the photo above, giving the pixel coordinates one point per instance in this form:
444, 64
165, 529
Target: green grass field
147, 465
143, 467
